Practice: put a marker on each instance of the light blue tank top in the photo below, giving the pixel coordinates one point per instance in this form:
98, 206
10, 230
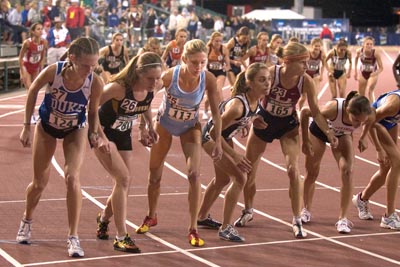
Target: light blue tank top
64, 109
179, 110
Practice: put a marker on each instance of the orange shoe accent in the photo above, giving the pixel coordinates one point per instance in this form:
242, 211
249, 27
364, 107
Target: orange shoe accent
147, 223
194, 238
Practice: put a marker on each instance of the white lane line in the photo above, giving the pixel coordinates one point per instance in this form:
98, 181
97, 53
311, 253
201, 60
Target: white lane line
11, 106
216, 248
312, 232
170, 245
10, 259
387, 55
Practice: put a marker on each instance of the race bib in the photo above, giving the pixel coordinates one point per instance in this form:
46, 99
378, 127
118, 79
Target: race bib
368, 67
215, 66
63, 121
124, 123
181, 114
34, 58
279, 110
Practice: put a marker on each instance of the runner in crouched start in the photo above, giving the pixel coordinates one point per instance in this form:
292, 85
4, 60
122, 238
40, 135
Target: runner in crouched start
344, 116
384, 136
236, 113
279, 120
129, 93
178, 115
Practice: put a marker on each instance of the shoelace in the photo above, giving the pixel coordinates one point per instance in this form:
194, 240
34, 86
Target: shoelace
364, 206
345, 222
232, 230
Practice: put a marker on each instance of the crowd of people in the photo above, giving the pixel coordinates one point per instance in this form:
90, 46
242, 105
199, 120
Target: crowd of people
271, 85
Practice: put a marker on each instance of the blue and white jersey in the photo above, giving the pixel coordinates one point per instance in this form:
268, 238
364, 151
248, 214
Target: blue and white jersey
388, 122
240, 123
64, 109
179, 110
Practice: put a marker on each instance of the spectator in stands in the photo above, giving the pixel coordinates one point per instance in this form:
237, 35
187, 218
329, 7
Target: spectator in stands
75, 19
55, 11
192, 25
228, 27
219, 25
208, 24
5, 26
24, 13
59, 40
151, 19
44, 12
19, 32
135, 26
173, 23
113, 19
33, 14
326, 37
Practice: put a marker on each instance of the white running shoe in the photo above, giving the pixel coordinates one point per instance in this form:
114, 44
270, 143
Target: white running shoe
33, 119
205, 116
305, 215
74, 247
344, 226
392, 222
246, 217
298, 230
362, 207
24, 232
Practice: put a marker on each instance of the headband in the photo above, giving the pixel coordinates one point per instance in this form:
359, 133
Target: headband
149, 64
299, 57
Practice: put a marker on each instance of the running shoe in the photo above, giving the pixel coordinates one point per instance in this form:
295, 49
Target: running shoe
205, 116
209, 223
392, 222
298, 230
74, 247
24, 232
230, 234
344, 226
126, 245
362, 207
147, 223
194, 238
246, 217
102, 228
34, 119
305, 215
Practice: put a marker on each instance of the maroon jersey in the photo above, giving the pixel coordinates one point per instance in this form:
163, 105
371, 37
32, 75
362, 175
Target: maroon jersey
281, 102
261, 56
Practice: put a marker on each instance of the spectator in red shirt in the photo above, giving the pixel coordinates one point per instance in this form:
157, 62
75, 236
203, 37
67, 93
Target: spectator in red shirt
327, 38
75, 19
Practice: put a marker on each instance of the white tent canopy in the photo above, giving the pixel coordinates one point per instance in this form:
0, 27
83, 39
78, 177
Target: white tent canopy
269, 14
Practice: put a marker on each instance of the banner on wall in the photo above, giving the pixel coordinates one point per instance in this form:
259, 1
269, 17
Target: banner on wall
306, 29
